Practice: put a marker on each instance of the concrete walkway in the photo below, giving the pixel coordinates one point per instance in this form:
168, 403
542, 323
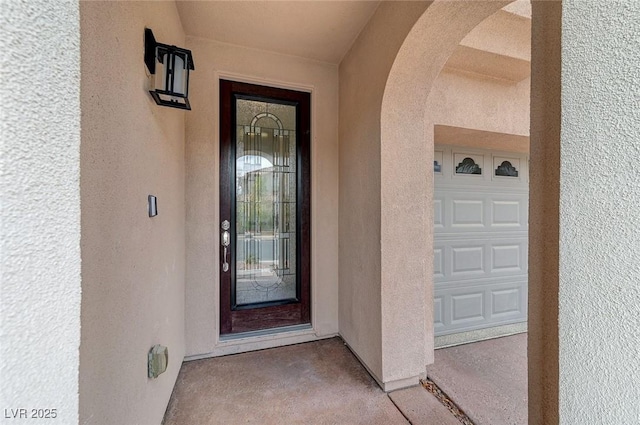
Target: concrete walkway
314, 383
486, 379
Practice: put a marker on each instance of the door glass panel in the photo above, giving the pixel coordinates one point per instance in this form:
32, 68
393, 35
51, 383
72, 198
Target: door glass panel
265, 188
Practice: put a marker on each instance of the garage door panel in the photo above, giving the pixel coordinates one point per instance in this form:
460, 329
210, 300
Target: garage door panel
506, 302
467, 213
480, 244
438, 219
506, 213
507, 258
472, 307
460, 258
509, 212
448, 285
438, 262
467, 308
479, 211
467, 260
438, 313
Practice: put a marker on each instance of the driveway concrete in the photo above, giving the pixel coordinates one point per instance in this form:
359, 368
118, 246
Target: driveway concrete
486, 379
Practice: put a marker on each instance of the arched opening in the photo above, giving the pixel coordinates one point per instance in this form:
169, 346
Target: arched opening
404, 137
479, 107
407, 215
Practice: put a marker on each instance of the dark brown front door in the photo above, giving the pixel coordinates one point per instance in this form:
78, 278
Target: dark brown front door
265, 196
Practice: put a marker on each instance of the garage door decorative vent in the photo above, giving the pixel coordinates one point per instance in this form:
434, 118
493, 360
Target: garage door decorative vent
506, 169
468, 166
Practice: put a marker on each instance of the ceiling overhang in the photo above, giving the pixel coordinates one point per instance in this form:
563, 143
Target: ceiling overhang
317, 30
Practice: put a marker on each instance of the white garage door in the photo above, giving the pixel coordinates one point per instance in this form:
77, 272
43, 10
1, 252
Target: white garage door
480, 241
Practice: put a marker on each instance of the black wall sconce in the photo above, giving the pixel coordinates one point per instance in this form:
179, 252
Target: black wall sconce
169, 68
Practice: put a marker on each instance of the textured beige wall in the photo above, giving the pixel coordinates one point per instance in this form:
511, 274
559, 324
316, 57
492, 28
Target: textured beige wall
460, 136
407, 183
491, 110
490, 35
380, 139
544, 192
460, 100
599, 292
39, 209
133, 266
202, 155
363, 73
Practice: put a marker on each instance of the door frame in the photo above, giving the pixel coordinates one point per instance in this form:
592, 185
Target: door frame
241, 319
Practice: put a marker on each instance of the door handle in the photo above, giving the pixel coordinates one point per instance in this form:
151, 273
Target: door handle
225, 241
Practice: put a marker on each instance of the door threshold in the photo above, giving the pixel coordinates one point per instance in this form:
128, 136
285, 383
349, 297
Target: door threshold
264, 332
261, 340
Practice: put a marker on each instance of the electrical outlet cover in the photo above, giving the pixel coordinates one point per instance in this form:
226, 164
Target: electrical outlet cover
158, 360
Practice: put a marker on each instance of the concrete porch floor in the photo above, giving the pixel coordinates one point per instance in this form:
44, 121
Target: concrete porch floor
319, 383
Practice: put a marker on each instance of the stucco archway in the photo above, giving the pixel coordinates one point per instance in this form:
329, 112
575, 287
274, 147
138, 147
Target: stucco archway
407, 191
406, 215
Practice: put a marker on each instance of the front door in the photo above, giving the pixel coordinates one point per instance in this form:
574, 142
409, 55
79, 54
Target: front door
265, 229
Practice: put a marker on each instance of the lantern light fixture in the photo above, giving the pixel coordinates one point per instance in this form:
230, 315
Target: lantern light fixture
169, 72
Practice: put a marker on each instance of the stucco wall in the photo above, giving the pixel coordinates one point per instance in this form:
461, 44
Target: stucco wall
599, 300
40, 209
502, 33
480, 103
544, 193
216, 60
363, 74
385, 258
133, 266
407, 183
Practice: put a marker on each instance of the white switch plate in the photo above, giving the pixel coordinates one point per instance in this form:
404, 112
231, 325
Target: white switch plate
153, 206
